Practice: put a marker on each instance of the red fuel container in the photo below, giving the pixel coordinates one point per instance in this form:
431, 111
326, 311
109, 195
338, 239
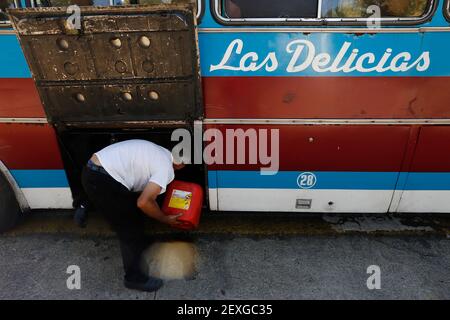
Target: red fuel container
185, 198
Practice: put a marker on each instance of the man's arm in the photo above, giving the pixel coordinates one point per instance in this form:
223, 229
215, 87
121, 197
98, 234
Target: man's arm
147, 203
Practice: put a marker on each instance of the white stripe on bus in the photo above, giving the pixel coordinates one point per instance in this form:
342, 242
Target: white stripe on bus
48, 198
23, 120
340, 201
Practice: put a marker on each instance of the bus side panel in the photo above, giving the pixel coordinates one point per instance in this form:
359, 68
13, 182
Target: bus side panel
354, 169
31, 152
326, 97
427, 185
19, 99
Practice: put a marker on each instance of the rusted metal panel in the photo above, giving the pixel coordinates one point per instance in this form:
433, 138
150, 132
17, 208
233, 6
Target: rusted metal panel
130, 63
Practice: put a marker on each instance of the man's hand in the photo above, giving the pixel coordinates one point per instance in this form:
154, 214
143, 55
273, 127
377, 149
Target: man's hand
147, 203
173, 220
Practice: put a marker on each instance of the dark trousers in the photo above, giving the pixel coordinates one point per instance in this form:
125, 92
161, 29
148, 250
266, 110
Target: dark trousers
119, 207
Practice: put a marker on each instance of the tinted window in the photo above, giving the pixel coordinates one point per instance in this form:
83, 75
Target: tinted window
359, 8
152, 1
5, 4
65, 3
328, 8
271, 8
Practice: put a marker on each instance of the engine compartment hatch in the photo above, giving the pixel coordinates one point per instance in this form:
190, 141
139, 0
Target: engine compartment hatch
123, 64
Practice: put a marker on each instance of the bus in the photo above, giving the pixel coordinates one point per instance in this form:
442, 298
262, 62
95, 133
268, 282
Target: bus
356, 90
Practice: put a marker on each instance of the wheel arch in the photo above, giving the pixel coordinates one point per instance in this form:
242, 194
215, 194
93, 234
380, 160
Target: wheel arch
20, 197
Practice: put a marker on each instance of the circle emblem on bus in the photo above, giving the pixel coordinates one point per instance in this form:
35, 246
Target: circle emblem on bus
306, 180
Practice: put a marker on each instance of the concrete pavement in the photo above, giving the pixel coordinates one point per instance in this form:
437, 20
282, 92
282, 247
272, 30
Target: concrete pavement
316, 258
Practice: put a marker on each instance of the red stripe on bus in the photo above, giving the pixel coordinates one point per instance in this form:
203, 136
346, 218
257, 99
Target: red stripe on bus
286, 97
20, 99
326, 97
432, 153
331, 147
29, 146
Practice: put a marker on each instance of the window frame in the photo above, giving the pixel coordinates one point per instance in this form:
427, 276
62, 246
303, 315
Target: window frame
216, 6
447, 10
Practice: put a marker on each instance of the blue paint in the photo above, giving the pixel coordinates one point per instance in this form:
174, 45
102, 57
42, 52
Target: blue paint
212, 179
12, 60
332, 180
213, 47
282, 180
325, 180
40, 178
428, 181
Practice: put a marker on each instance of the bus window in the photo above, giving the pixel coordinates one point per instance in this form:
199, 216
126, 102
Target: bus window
270, 9
65, 3
157, 1
388, 8
6, 4
318, 11
447, 10
125, 2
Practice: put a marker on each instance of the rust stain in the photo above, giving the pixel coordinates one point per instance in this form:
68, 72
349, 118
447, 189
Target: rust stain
289, 97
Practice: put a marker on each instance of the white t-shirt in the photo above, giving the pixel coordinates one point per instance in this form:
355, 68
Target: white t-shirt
135, 163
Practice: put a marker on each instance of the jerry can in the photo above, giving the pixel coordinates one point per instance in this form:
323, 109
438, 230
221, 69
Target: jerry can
185, 198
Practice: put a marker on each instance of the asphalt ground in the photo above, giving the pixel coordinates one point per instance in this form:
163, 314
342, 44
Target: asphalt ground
240, 256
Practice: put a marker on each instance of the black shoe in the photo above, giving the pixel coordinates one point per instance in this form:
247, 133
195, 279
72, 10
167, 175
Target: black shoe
151, 284
80, 217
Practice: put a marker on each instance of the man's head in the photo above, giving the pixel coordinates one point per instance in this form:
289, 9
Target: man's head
178, 166
179, 161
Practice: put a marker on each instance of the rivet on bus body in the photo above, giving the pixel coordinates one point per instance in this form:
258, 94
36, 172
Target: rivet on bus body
62, 44
144, 42
80, 98
115, 42
153, 95
127, 96
311, 139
